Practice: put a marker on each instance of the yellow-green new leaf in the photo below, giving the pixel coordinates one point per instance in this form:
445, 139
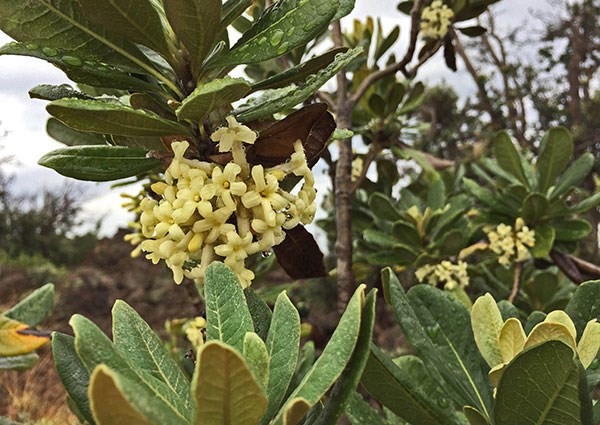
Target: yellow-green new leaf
257, 358
512, 339
224, 388
295, 411
559, 316
109, 405
16, 338
589, 344
487, 322
549, 331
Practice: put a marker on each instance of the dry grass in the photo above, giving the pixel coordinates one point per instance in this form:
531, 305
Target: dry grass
35, 396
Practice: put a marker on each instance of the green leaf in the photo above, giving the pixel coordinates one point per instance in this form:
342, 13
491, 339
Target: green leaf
573, 229
474, 31
436, 194
99, 163
377, 237
403, 390
423, 317
334, 358
147, 394
259, 310
508, 157
555, 153
414, 100
257, 358
283, 344
66, 135
282, 27
584, 305
383, 207
73, 374
227, 316
359, 412
196, 23
60, 24
52, 92
474, 416
544, 240
299, 73
144, 350
212, 95
574, 175
485, 197
135, 20
547, 377
344, 9
585, 205
108, 399
535, 206
487, 321
224, 388
274, 101
112, 118
35, 307
91, 73
346, 385
232, 9
386, 44
21, 362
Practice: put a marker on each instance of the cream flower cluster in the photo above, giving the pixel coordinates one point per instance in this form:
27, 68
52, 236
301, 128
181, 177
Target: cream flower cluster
511, 243
451, 275
435, 20
207, 212
194, 331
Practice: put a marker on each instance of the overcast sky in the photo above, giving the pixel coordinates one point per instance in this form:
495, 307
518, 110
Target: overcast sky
25, 119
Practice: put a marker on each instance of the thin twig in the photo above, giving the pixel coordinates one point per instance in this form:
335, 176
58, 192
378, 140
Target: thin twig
374, 150
415, 17
516, 279
324, 97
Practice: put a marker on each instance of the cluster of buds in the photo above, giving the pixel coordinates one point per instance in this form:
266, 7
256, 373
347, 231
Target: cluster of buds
435, 20
451, 275
207, 212
511, 244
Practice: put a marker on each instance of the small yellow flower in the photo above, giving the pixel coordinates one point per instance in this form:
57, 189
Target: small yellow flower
435, 20
511, 243
452, 275
234, 133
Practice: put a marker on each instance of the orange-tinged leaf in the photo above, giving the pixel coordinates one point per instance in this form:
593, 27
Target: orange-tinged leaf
17, 338
295, 411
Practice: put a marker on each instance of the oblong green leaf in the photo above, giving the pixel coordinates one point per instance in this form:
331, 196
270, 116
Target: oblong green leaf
298, 73
73, 375
150, 396
284, 26
257, 358
360, 412
334, 358
534, 207
212, 95
81, 70
99, 163
404, 389
108, 399
196, 24
260, 311
574, 175
35, 307
283, 344
508, 157
556, 149
224, 388
66, 135
144, 351
273, 101
584, 305
586, 205
22, 362
227, 315
547, 377
135, 20
487, 322
112, 118
572, 229
346, 385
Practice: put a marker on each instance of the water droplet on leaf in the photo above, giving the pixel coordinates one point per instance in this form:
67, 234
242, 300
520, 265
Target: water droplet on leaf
595, 363
276, 37
262, 40
266, 254
31, 46
290, 31
283, 48
443, 402
72, 60
49, 51
432, 331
